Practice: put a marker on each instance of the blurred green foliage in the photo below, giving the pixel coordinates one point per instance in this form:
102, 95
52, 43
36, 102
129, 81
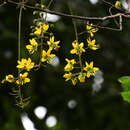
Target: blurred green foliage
104, 110
125, 81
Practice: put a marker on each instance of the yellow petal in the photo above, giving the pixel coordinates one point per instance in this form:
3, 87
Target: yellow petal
43, 59
88, 74
18, 82
45, 27
67, 59
26, 80
44, 53
91, 34
52, 55
57, 42
81, 44
86, 64
95, 69
48, 42
73, 51
94, 48
73, 61
24, 75
38, 31
91, 64
93, 42
33, 42
68, 76
68, 67
30, 47
20, 66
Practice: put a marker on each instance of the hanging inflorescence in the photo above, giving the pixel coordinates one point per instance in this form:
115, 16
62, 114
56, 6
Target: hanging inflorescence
42, 42
42, 45
75, 69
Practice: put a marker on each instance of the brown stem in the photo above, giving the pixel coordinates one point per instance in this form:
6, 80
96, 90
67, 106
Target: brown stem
72, 16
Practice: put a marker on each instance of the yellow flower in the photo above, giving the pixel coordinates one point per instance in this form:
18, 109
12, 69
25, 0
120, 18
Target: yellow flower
90, 69
26, 64
33, 46
91, 29
23, 79
70, 65
41, 29
118, 4
45, 27
38, 31
52, 43
91, 44
9, 78
78, 48
81, 77
46, 56
69, 76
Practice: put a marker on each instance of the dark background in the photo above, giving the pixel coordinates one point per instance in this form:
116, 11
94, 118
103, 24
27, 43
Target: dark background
104, 110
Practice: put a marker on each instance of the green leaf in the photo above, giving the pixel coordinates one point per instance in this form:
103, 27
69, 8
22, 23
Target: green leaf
125, 81
126, 96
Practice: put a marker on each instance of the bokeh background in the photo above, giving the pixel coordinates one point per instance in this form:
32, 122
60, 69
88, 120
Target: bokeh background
56, 104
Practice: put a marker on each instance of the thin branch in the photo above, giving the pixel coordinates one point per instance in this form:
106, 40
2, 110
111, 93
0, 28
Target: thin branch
108, 3
76, 35
120, 22
48, 6
110, 11
109, 28
72, 16
19, 49
19, 35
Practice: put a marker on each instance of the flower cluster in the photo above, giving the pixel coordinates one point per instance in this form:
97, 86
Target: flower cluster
75, 69
47, 55
24, 65
42, 43
91, 30
40, 47
20, 80
41, 29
